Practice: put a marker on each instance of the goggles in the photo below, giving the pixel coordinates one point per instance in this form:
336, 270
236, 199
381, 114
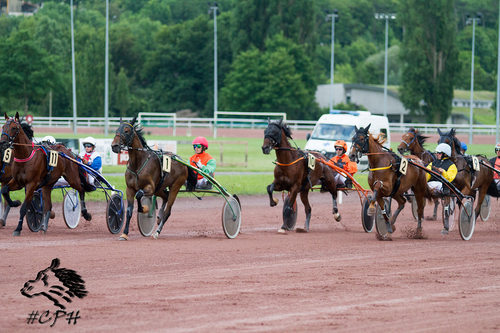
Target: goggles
88, 145
497, 149
339, 148
197, 146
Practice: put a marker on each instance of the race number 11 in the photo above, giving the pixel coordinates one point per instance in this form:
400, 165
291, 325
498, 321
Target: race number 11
53, 158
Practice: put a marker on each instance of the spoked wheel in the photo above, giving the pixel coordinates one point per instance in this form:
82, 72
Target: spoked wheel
289, 219
485, 208
71, 209
231, 217
34, 213
379, 218
115, 213
451, 219
367, 221
467, 220
147, 221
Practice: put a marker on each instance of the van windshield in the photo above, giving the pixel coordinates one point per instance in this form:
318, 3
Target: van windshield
333, 132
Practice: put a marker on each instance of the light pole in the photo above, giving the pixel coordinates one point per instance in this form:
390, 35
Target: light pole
386, 17
106, 73
498, 77
214, 9
473, 21
73, 67
335, 18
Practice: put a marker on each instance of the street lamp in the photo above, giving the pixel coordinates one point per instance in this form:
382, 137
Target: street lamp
473, 21
386, 17
335, 18
212, 8
498, 78
73, 68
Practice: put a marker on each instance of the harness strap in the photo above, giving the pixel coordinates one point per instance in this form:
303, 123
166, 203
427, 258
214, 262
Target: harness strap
382, 168
22, 160
281, 164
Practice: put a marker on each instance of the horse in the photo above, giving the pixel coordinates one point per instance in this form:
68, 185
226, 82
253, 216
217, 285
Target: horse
31, 170
385, 178
293, 174
413, 141
6, 174
144, 175
468, 181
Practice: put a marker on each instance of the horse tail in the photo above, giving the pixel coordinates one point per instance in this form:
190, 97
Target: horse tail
191, 180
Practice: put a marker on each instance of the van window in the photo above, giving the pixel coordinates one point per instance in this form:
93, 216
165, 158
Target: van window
332, 132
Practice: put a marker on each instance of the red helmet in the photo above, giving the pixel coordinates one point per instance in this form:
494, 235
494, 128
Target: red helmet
201, 141
341, 144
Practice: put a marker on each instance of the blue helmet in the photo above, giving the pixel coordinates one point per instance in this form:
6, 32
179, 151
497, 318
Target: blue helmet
464, 146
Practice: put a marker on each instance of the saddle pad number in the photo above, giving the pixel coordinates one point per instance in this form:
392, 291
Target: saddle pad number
167, 163
54, 156
403, 167
7, 155
311, 161
475, 163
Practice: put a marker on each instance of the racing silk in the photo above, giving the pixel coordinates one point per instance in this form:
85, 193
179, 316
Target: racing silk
94, 160
208, 162
349, 166
495, 162
450, 169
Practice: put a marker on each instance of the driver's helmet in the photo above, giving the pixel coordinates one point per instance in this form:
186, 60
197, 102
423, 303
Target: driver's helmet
49, 139
497, 147
341, 144
89, 140
444, 148
464, 146
201, 141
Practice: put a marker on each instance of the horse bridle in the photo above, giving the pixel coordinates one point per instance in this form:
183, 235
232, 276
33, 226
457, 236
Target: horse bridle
412, 140
11, 138
126, 140
273, 141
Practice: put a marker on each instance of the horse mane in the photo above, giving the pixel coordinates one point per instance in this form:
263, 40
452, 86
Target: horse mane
381, 138
27, 130
454, 139
71, 280
138, 130
284, 126
420, 138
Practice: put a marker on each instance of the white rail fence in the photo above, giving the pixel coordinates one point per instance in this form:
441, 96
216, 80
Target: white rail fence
82, 122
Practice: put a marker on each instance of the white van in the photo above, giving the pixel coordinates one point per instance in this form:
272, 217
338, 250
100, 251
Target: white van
339, 125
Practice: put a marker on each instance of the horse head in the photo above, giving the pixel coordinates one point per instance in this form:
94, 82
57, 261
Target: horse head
450, 139
273, 135
10, 130
360, 143
409, 141
124, 135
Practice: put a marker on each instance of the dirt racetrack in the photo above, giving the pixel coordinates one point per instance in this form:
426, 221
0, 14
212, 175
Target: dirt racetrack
194, 279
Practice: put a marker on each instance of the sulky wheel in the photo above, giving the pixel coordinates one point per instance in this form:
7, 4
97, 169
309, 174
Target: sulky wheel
71, 209
147, 221
467, 220
485, 208
379, 218
367, 221
115, 213
34, 213
231, 217
414, 207
451, 219
289, 219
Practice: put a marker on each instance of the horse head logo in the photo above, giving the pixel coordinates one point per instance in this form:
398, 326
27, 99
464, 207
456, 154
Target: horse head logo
57, 284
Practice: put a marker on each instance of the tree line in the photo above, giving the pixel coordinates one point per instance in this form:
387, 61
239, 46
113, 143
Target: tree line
271, 55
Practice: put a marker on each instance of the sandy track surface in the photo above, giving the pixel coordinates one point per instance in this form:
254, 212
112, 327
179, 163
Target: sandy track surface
194, 279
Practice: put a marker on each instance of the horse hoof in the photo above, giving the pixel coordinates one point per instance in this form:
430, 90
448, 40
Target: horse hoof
302, 230
16, 233
371, 211
430, 218
281, 231
42, 232
123, 237
52, 215
337, 217
2, 222
145, 209
155, 235
393, 227
275, 202
87, 217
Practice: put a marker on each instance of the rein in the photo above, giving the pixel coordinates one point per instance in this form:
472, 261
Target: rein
33, 151
382, 168
281, 164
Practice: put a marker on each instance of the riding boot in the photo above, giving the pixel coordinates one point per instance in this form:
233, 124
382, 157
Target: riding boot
446, 222
348, 183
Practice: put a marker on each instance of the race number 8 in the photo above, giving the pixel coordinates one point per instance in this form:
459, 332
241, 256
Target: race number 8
167, 163
7, 155
404, 166
53, 158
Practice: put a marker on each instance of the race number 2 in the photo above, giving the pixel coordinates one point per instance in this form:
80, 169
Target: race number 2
404, 166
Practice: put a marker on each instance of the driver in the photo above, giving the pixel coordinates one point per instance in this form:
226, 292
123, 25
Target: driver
342, 161
203, 161
495, 162
444, 166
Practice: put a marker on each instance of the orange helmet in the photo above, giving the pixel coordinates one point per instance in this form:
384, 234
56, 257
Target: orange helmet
201, 141
341, 144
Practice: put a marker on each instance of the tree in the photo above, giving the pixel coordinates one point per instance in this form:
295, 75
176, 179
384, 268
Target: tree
430, 57
122, 94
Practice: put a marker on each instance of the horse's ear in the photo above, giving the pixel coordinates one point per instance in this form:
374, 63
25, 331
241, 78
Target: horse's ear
55, 263
281, 121
367, 128
440, 133
6, 116
452, 132
268, 120
17, 116
121, 121
355, 128
132, 122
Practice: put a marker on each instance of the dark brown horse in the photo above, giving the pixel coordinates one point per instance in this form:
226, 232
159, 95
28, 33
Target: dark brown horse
413, 141
144, 175
468, 181
386, 179
31, 170
293, 174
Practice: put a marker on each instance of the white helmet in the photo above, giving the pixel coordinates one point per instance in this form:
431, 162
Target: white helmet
49, 139
90, 140
444, 148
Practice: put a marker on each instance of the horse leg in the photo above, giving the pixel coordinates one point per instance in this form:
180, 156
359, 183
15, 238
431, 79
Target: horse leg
5, 193
305, 200
482, 193
6, 209
47, 207
288, 210
130, 210
446, 220
401, 204
22, 212
381, 203
371, 209
169, 200
86, 215
159, 217
270, 188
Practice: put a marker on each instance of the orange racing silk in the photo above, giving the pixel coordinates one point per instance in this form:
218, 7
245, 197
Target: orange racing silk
349, 166
208, 162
